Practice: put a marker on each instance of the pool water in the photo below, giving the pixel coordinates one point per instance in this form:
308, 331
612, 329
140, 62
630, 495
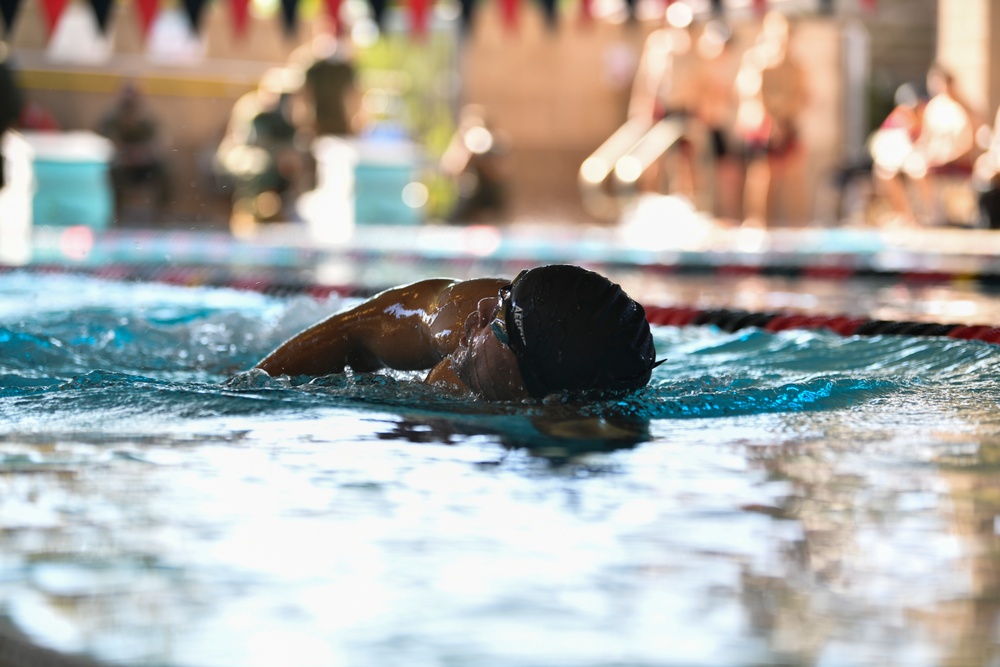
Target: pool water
796, 498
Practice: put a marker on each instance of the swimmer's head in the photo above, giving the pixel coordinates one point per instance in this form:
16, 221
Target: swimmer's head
574, 331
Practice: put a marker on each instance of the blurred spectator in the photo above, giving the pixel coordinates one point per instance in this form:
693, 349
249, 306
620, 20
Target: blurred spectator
663, 89
329, 91
259, 155
924, 143
138, 158
476, 158
714, 106
892, 144
10, 101
772, 95
987, 170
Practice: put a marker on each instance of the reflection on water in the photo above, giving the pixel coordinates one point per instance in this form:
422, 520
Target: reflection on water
794, 499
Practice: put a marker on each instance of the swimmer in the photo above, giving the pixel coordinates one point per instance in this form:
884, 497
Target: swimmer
552, 329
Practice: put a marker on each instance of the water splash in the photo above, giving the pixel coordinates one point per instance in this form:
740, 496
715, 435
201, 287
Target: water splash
139, 354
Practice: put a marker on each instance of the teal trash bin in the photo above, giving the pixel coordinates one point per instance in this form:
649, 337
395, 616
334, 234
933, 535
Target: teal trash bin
383, 170
71, 181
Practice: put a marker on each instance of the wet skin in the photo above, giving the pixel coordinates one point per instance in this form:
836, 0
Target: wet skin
439, 324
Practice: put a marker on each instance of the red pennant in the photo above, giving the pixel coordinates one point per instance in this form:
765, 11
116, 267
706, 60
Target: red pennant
508, 11
419, 16
333, 9
241, 14
53, 10
146, 10
760, 6
586, 11
869, 5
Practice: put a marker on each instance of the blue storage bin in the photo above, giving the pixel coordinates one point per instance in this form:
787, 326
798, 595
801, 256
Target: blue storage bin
72, 193
378, 194
71, 182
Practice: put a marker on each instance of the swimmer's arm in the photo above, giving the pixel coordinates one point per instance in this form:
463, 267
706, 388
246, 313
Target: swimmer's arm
412, 327
392, 329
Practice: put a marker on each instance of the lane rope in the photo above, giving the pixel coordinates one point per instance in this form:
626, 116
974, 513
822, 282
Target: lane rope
283, 283
845, 325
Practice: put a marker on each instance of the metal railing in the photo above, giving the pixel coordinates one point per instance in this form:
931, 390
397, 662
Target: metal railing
608, 177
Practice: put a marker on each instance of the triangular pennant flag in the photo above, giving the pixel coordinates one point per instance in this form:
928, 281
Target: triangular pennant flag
551, 12
194, 9
869, 5
9, 10
467, 15
102, 8
378, 12
240, 10
146, 11
630, 5
53, 10
760, 6
508, 12
289, 12
586, 11
420, 11
333, 9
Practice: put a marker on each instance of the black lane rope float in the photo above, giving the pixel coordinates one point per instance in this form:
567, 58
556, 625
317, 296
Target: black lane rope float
845, 325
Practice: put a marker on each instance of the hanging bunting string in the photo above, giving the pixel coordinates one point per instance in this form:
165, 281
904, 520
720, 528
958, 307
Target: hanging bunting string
419, 12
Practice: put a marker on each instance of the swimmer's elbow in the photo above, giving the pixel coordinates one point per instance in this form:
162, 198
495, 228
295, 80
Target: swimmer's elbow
295, 362
282, 362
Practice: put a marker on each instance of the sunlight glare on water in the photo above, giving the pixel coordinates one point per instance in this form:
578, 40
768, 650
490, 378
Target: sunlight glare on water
792, 498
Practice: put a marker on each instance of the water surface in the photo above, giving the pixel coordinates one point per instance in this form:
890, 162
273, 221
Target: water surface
797, 498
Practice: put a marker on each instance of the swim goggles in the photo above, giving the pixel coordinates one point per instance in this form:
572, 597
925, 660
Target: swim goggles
501, 318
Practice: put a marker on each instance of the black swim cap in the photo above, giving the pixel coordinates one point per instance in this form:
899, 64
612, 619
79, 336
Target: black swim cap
574, 330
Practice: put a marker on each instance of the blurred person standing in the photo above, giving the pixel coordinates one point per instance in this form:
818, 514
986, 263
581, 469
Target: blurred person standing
138, 157
663, 89
987, 172
260, 157
771, 86
11, 101
476, 160
714, 107
329, 94
892, 144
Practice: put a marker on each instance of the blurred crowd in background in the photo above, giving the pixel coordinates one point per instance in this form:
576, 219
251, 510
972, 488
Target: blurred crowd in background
735, 147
